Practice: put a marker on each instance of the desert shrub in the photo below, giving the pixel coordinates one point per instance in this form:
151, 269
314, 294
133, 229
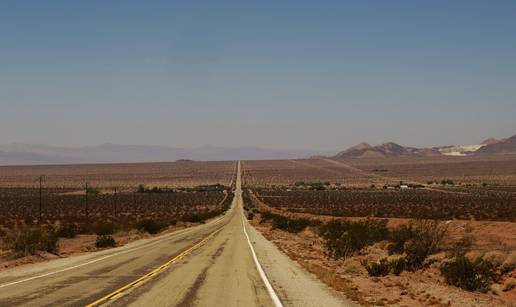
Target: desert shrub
250, 215
398, 237
203, 216
293, 225
172, 222
92, 191
265, 216
417, 240
380, 268
67, 230
279, 222
105, 241
447, 182
104, 228
27, 240
297, 225
150, 226
192, 218
399, 265
141, 188
469, 275
343, 238
49, 240
3, 232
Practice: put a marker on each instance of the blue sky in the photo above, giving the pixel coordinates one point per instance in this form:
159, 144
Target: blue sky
284, 74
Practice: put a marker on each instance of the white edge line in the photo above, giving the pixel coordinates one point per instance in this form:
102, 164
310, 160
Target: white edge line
266, 281
179, 232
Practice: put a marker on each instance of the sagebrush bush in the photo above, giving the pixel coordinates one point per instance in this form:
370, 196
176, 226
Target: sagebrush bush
27, 240
67, 230
293, 225
192, 218
398, 237
104, 228
343, 238
150, 226
469, 275
203, 216
380, 268
265, 216
105, 241
417, 240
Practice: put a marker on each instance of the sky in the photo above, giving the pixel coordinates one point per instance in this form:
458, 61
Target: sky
318, 75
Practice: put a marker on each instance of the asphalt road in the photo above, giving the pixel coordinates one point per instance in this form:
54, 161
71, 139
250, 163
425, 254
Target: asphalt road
215, 264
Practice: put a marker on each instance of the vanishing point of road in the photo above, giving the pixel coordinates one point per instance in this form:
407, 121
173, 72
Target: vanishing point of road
224, 262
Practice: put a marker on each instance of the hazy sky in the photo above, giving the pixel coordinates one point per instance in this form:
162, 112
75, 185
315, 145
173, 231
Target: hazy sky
284, 74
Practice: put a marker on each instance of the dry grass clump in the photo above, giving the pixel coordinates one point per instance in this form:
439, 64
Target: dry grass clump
510, 262
474, 255
496, 258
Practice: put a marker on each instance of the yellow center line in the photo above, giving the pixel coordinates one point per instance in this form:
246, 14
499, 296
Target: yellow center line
119, 292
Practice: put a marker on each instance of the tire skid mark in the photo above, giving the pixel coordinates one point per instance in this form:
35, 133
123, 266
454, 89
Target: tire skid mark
191, 296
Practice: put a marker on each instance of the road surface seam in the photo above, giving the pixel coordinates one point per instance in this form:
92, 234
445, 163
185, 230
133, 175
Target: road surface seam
266, 281
119, 292
159, 240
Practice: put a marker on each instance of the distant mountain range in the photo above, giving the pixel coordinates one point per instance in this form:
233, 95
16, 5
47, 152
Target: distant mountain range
28, 154
389, 150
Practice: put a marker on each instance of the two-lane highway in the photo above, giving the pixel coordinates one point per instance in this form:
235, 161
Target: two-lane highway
219, 272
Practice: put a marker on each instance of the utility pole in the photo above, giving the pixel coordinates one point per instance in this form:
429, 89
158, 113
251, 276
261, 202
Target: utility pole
134, 203
41, 179
115, 201
86, 199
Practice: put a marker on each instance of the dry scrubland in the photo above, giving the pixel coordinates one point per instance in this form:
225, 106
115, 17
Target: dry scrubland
450, 241
493, 170
175, 174
121, 203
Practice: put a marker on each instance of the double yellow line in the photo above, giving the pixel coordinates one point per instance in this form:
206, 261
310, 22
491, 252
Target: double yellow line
119, 292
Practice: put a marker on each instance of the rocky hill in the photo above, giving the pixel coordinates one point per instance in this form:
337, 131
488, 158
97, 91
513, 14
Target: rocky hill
387, 150
506, 146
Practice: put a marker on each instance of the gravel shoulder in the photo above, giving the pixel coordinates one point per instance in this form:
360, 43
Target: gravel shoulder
293, 284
